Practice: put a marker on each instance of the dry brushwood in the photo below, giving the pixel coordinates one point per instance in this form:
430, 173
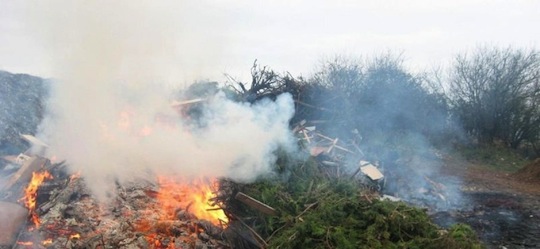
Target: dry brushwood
265, 83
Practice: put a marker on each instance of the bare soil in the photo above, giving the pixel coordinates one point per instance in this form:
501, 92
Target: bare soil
503, 207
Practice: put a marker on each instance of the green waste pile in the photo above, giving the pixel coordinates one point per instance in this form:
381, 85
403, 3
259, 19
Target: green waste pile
316, 210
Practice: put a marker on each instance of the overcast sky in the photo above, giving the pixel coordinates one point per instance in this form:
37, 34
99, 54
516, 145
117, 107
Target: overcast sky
204, 39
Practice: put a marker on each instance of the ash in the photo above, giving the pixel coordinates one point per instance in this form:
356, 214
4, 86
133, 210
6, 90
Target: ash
72, 218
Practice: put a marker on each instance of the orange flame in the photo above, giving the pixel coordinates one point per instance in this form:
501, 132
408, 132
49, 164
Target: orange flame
25, 243
195, 198
75, 236
47, 242
30, 193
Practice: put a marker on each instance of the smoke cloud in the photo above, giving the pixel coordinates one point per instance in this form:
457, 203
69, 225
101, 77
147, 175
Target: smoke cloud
109, 114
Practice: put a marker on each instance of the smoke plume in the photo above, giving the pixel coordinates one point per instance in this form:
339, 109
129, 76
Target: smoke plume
109, 113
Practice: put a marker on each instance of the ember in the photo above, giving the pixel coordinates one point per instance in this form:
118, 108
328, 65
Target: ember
47, 242
75, 236
25, 243
30, 192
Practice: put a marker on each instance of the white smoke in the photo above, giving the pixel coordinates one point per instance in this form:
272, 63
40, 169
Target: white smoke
109, 114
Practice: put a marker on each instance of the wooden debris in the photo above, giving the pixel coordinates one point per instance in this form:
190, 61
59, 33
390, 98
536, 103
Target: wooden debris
370, 171
252, 202
11, 159
34, 140
12, 219
260, 240
315, 151
314, 107
25, 172
186, 102
38, 147
389, 198
329, 163
334, 143
306, 136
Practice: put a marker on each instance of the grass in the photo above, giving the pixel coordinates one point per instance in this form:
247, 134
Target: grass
494, 157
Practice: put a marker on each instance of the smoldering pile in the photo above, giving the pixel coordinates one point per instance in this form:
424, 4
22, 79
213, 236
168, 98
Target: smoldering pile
70, 217
237, 134
67, 216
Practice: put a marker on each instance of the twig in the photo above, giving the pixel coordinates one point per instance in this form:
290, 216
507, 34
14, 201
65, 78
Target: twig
307, 208
257, 236
334, 145
308, 193
277, 230
314, 107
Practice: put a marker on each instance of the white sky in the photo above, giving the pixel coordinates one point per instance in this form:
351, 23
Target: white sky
220, 36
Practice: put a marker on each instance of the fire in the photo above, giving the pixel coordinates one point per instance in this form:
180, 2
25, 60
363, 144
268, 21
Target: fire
75, 236
196, 198
30, 193
125, 124
47, 242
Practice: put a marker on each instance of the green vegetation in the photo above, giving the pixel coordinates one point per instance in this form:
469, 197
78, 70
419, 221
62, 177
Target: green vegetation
317, 211
494, 157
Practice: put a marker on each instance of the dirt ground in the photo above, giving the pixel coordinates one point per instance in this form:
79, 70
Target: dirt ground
503, 207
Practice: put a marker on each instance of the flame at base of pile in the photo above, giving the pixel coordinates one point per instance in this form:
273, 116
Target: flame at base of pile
30, 193
177, 201
169, 213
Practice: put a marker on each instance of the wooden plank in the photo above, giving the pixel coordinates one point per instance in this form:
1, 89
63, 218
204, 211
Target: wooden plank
34, 140
11, 159
306, 136
24, 174
186, 102
12, 217
372, 172
334, 141
252, 202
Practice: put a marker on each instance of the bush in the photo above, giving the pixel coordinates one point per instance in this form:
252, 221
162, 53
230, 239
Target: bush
495, 93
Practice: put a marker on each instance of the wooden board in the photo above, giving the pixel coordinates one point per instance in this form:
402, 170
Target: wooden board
252, 202
372, 172
12, 219
34, 140
24, 174
186, 102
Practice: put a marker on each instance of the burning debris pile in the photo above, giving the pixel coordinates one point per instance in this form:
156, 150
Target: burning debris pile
289, 209
255, 190
63, 214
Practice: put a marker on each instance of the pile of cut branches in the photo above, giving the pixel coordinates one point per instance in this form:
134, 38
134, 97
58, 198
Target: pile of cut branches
313, 200
313, 209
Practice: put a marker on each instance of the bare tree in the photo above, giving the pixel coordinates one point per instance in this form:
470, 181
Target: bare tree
495, 94
264, 83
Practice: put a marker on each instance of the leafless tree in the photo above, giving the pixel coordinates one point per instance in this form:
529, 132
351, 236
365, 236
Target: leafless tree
264, 83
495, 93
